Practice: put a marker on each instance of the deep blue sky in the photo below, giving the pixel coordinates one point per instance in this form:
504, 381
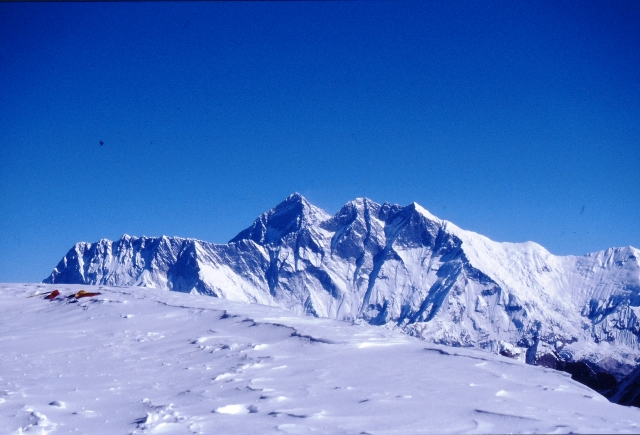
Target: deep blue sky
517, 120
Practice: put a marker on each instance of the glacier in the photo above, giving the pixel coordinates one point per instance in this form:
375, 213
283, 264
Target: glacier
402, 268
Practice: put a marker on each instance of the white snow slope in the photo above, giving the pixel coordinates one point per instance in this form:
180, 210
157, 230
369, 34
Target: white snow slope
137, 361
403, 268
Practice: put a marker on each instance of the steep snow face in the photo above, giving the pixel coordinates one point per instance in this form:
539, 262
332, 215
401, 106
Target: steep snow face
400, 267
595, 296
232, 271
129, 261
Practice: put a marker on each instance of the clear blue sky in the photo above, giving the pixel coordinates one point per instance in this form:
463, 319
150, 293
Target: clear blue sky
517, 120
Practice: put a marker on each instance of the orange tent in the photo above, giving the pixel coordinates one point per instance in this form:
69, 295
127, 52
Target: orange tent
84, 294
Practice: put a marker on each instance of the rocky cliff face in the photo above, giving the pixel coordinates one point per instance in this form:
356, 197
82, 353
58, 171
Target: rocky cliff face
627, 392
401, 267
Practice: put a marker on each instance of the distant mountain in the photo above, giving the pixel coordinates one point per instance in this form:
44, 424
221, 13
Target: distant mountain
404, 268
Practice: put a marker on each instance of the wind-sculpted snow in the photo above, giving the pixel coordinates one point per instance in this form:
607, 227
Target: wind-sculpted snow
140, 361
404, 268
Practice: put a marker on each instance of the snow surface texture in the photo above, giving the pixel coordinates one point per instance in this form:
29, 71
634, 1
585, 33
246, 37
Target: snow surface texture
139, 361
403, 268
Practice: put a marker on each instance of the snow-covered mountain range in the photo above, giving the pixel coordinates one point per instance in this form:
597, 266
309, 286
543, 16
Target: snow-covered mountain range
403, 268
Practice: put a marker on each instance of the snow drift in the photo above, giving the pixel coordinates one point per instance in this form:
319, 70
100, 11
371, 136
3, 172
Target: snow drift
141, 361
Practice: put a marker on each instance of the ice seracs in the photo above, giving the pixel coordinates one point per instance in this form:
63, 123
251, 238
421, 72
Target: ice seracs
406, 269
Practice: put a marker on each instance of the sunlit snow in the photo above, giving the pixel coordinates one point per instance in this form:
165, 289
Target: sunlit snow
136, 361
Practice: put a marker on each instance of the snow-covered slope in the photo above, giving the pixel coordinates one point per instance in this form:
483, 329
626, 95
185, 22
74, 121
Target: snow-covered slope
140, 361
403, 268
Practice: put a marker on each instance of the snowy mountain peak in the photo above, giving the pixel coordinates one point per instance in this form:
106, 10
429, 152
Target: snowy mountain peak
426, 213
359, 209
290, 216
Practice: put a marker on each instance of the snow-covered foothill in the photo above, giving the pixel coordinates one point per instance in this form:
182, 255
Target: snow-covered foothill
140, 361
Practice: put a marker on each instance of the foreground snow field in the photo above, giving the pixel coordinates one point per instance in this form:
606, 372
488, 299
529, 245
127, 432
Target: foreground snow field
137, 361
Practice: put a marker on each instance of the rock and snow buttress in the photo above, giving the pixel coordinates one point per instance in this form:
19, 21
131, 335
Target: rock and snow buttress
401, 267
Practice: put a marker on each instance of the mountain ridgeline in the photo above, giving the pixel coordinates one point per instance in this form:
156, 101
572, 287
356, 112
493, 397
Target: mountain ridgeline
404, 268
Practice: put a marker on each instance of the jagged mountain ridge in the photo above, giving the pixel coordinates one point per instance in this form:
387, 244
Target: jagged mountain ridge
404, 268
